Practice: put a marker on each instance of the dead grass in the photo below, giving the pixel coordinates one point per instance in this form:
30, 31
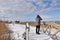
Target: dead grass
3, 30
30, 23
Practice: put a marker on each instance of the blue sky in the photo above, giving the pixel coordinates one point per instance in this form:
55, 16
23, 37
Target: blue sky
26, 10
56, 14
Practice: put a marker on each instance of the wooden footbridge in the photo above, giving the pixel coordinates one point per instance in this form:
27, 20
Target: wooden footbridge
51, 25
47, 27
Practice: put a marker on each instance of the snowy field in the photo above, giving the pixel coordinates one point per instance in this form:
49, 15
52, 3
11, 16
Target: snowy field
19, 29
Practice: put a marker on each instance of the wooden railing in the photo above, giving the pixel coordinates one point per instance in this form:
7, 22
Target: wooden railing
54, 25
50, 25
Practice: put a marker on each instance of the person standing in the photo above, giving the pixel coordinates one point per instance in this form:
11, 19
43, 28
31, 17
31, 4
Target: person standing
38, 21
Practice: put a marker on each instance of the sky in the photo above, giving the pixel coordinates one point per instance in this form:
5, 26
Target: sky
27, 10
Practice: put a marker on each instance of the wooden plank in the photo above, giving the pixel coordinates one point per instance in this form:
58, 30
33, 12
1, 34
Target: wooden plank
54, 25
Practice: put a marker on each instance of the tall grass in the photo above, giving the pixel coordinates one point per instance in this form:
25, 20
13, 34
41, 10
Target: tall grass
4, 32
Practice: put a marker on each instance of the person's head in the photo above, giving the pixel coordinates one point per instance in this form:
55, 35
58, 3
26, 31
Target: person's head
38, 16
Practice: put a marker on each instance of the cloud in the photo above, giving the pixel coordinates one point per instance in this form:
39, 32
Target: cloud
44, 11
16, 6
27, 7
13, 18
45, 6
47, 17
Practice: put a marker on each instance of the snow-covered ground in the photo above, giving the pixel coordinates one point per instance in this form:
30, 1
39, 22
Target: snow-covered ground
19, 29
34, 36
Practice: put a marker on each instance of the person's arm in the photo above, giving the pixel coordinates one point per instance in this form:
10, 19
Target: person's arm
40, 18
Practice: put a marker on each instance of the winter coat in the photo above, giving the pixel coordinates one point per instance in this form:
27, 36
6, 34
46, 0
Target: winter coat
38, 20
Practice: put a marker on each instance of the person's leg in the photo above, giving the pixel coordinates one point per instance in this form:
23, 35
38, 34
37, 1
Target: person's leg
36, 29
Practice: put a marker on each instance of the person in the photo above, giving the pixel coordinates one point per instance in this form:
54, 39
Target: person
38, 21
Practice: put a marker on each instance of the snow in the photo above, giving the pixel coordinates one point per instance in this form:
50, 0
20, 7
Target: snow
58, 35
19, 29
53, 30
34, 36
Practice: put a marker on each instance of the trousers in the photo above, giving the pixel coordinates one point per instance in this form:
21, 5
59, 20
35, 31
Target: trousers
37, 28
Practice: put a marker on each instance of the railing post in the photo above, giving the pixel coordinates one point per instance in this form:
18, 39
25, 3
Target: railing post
27, 31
